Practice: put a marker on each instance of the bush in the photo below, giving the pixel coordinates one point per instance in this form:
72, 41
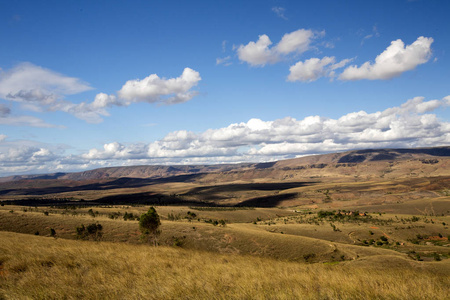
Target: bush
93, 231
114, 216
149, 224
436, 256
191, 215
91, 213
129, 216
177, 241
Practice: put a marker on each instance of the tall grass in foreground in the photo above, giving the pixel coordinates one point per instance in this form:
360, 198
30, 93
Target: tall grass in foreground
46, 268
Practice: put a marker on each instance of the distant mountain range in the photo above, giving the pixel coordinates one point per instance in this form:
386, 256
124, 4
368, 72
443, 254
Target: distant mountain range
426, 155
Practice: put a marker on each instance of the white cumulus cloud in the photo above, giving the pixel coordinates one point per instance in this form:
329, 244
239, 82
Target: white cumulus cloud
39, 89
314, 68
260, 53
297, 41
155, 89
411, 124
408, 125
392, 62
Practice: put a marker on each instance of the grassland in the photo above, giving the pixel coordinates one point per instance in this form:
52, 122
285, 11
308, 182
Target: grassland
38, 267
281, 233
278, 231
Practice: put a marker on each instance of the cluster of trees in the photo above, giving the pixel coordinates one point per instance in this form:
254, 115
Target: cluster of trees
148, 224
91, 231
129, 216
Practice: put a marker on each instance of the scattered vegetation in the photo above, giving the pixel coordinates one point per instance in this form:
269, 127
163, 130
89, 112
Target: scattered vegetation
31, 270
91, 231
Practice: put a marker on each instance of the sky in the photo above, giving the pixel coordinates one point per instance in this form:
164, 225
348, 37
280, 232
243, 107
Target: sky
88, 84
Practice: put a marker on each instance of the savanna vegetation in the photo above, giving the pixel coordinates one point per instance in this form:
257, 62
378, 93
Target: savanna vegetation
342, 230
37, 267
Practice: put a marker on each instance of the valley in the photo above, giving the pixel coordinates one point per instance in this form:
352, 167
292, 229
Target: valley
367, 211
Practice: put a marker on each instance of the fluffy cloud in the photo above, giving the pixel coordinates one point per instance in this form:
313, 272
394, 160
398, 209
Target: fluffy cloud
314, 68
408, 125
297, 41
150, 89
90, 112
155, 89
257, 54
27, 155
260, 53
40, 89
393, 61
412, 124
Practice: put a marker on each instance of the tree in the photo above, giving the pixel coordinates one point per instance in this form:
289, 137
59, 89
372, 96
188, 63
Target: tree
149, 224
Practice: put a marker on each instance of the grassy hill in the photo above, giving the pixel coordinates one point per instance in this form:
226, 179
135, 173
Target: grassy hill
360, 224
355, 178
41, 268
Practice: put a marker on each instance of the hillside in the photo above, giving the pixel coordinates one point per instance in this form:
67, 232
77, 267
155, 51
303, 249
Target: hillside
348, 179
344, 159
40, 268
373, 216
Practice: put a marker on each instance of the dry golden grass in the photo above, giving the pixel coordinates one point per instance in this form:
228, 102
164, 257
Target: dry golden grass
315, 242
45, 268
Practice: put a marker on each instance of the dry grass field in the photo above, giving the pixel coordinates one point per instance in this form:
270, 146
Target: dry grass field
37, 267
320, 227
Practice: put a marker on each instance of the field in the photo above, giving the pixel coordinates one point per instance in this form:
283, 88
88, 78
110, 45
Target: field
41, 268
328, 231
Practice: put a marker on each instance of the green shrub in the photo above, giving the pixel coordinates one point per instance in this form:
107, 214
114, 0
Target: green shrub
149, 224
93, 231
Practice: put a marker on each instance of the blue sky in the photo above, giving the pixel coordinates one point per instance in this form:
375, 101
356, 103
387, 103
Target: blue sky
85, 84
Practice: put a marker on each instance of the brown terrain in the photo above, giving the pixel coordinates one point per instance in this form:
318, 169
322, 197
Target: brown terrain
366, 224
388, 178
